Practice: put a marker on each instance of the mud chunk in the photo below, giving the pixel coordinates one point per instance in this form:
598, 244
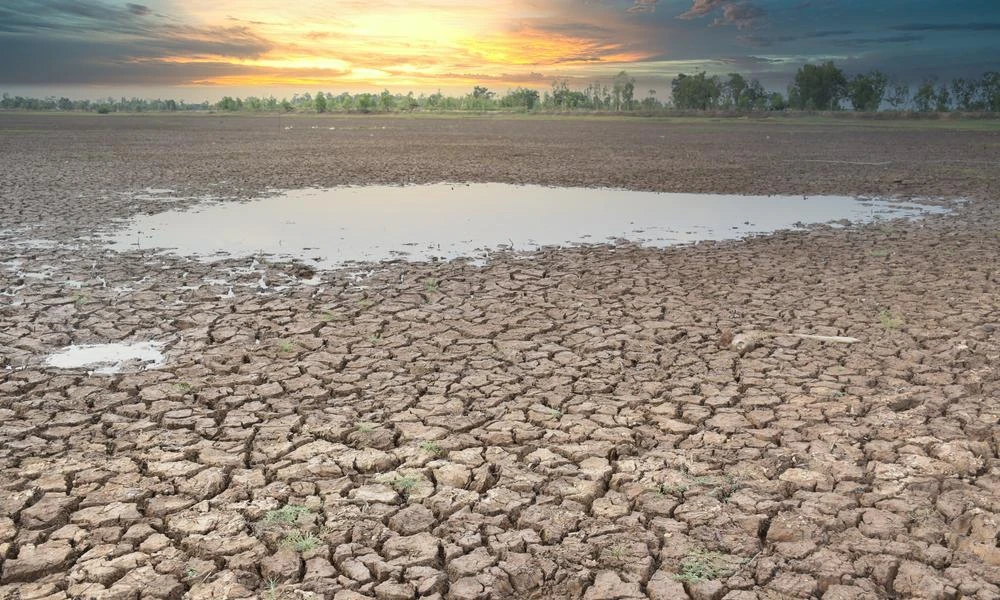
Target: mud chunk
917, 580
790, 527
34, 562
524, 571
473, 563
415, 550
609, 586
281, 566
412, 519
663, 586
109, 514
552, 522
390, 590
223, 587
52, 510
793, 585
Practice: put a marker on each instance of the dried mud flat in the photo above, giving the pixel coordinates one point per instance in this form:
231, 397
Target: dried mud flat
563, 427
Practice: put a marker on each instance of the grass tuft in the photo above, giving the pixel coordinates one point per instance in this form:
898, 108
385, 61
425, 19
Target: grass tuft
890, 320
300, 542
286, 515
431, 447
702, 565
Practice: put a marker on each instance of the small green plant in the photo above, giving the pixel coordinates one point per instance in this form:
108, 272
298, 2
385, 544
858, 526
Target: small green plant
365, 303
404, 484
286, 515
702, 565
616, 553
704, 480
726, 489
431, 285
672, 489
285, 346
431, 447
190, 572
375, 338
182, 387
328, 316
878, 253
272, 589
365, 427
80, 299
300, 542
890, 320
554, 412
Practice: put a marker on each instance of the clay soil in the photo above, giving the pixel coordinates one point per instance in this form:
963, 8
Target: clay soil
572, 426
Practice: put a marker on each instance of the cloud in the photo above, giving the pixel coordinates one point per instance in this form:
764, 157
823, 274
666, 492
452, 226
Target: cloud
759, 41
701, 8
743, 15
876, 41
125, 29
947, 27
643, 6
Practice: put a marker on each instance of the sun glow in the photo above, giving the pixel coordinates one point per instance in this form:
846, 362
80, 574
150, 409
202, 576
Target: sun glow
423, 42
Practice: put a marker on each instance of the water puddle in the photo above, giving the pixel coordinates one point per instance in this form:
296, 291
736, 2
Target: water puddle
341, 226
108, 359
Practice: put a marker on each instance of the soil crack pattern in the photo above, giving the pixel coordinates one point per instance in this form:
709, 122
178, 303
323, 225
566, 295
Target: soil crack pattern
576, 425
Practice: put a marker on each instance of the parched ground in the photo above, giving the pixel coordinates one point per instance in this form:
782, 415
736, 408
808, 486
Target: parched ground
572, 426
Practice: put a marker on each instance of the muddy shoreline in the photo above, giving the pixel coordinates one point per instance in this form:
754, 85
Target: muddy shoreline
564, 426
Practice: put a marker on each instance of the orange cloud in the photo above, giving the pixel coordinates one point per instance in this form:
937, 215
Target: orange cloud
419, 42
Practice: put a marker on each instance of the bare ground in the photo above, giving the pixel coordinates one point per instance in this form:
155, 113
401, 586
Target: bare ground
568, 426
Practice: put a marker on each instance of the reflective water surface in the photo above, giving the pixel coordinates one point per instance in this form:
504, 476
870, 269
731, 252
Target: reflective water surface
338, 226
108, 359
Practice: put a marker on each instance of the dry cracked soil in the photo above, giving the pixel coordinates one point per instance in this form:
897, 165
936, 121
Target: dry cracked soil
570, 426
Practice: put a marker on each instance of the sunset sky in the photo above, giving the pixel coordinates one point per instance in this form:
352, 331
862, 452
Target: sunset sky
197, 49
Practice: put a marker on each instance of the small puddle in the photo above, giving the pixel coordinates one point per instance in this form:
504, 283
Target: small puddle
108, 359
339, 226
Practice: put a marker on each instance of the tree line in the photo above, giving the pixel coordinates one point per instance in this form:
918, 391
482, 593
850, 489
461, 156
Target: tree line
822, 87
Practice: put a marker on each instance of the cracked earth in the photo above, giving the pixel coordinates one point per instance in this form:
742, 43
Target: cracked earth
572, 425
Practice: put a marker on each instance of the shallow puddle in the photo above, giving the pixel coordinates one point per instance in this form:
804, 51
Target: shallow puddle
108, 359
339, 226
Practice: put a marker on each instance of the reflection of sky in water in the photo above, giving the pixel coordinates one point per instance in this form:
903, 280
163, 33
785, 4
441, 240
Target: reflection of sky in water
452, 220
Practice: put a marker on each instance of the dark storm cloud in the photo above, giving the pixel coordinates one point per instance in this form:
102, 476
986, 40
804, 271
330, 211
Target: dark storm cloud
38, 62
876, 41
81, 41
760, 41
947, 27
138, 9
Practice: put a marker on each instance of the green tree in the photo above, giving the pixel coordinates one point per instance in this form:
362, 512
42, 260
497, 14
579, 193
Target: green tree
695, 92
925, 97
967, 94
990, 84
733, 91
818, 87
943, 99
898, 94
386, 101
776, 101
866, 91
320, 102
623, 88
520, 98
366, 102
